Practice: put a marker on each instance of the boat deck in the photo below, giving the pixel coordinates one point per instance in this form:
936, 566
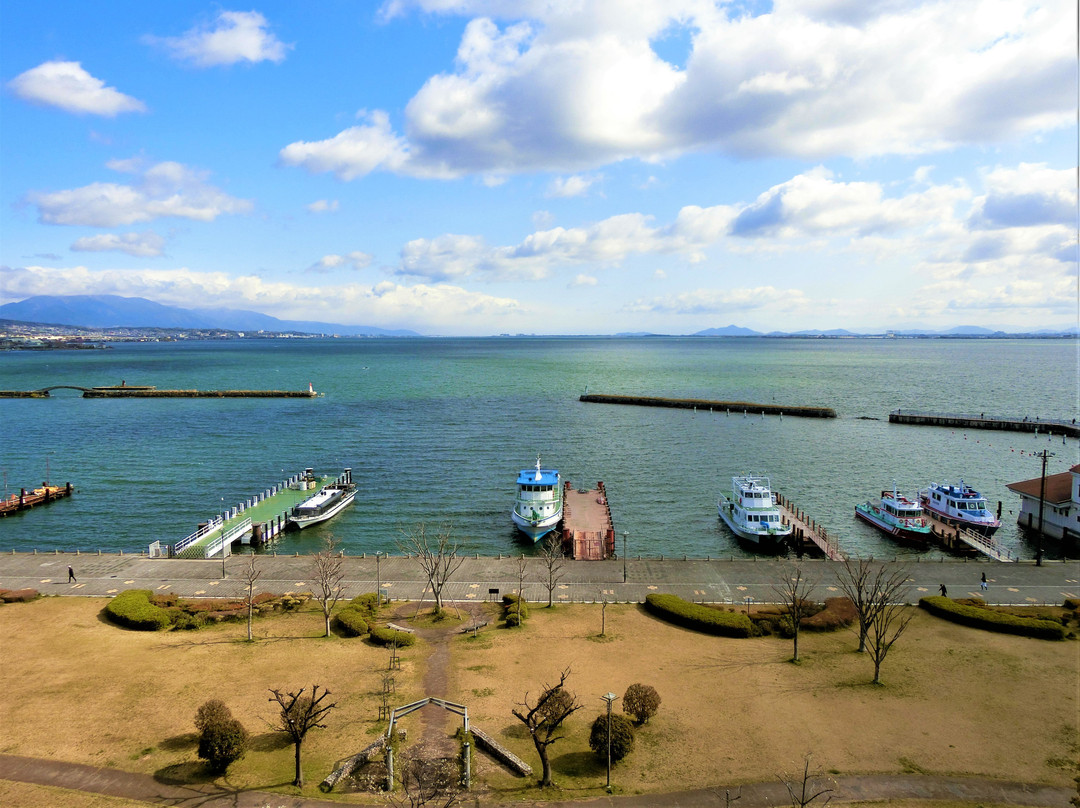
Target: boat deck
587, 532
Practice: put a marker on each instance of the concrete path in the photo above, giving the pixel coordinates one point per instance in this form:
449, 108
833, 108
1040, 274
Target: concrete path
714, 581
148, 789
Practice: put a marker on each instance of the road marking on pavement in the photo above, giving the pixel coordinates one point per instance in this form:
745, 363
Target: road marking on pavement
165, 586
922, 589
1068, 594
1033, 600
607, 591
563, 586
111, 591
831, 588
699, 592
214, 583
741, 588
651, 586
471, 595
1013, 589
474, 586
129, 582
299, 583
200, 591
45, 580
564, 597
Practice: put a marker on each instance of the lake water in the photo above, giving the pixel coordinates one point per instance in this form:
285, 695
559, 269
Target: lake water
436, 431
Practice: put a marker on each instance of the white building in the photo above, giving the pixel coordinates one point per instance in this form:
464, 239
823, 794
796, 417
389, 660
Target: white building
1061, 507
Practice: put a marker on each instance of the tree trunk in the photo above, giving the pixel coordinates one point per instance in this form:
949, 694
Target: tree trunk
250, 607
327, 615
298, 781
862, 635
545, 766
796, 657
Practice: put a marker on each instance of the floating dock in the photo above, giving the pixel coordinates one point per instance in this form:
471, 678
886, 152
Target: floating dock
25, 500
255, 521
806, 534
964, 541
727, 407
1047, 426
133, 391
587, 531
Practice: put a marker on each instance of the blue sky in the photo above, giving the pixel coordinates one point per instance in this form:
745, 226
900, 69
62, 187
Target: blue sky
520, 166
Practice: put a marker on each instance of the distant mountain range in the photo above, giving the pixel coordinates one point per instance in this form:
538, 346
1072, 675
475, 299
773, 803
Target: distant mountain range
113, 311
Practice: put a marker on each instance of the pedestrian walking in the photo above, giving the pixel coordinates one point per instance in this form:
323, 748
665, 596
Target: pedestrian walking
71, 576
982, 583
944, 591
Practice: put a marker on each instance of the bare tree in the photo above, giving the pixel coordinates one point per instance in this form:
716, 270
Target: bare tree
326, 575
879, 592
435, 783
438, 557
251, 576
551, 555
794, 592
854, 579
544, 718
522, 568
802, 791
889, 619
299, 714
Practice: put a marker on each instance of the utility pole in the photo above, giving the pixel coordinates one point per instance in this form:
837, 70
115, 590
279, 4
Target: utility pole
1045, 454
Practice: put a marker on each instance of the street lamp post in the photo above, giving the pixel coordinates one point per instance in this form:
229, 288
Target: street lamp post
378, 578
624, 535
609, 698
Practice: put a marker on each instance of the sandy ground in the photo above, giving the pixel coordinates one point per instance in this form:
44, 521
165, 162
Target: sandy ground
955, 700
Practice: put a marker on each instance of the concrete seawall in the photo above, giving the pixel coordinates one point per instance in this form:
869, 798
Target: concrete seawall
737, 407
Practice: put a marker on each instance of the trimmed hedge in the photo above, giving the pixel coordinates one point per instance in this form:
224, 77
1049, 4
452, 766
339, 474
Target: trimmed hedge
352, 622
18, 595
511, 613
989, 620
700, 618
384, 635
133, 609
838, 613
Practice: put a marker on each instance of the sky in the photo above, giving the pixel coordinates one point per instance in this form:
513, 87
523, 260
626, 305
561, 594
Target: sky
476, 167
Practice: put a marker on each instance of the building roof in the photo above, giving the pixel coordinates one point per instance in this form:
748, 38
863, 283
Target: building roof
1058, 487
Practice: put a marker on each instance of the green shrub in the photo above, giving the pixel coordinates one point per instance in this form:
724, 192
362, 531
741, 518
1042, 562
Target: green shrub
1071, 603
513, 621
187, 622
222, 739
384, 635
838, 613
133, 609
510, 605
622, 737
989, 620
700, 618
352, 622
211, 712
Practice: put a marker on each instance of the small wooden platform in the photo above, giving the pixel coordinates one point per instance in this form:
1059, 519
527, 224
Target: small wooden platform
587, 533
807, 532
25, 500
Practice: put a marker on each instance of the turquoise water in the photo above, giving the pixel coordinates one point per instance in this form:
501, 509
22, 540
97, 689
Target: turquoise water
436, 431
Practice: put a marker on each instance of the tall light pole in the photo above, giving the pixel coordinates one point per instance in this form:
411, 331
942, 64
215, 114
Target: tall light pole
378, 578
624, 535
609, 698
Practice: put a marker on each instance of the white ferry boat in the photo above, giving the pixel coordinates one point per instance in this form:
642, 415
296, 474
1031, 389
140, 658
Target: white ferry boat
898, 516
539, 504
752, 514
328, 502
959, 506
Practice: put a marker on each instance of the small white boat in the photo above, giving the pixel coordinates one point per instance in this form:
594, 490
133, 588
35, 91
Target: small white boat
326, 503
538, 507
959, 506
752, 514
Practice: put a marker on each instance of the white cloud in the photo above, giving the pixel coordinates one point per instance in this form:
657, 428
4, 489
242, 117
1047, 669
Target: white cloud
355, 260
582, 280
725, 301
323, 206
570, 86
234, 36
575, 185
68, 86
163, 190
146, 245
426, 308
353, 153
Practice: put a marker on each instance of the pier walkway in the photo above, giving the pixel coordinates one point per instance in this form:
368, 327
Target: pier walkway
702, 580
587, 533
1047, 426
808, 532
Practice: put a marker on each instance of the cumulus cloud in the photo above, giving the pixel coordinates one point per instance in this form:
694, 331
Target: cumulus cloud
166, 189
67, 86
575, 185
1027, 196
571, 86
233, 36
724, 301
142, 245
355, 260
427, 308
323, 206
582, 280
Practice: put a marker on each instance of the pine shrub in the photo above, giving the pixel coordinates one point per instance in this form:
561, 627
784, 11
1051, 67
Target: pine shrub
622, 737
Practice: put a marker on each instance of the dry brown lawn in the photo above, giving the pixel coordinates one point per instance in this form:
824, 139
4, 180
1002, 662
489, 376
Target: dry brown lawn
954, 700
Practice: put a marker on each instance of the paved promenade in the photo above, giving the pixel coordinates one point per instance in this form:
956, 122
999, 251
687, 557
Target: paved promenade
714, 581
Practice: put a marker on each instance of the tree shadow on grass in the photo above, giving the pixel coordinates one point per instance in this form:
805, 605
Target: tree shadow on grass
269, 742
178, 743
578, 764
194, 772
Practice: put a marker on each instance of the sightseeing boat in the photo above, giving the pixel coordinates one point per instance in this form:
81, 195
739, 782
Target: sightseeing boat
959, 506
538, 507
752, 514
326, 503
898, 516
